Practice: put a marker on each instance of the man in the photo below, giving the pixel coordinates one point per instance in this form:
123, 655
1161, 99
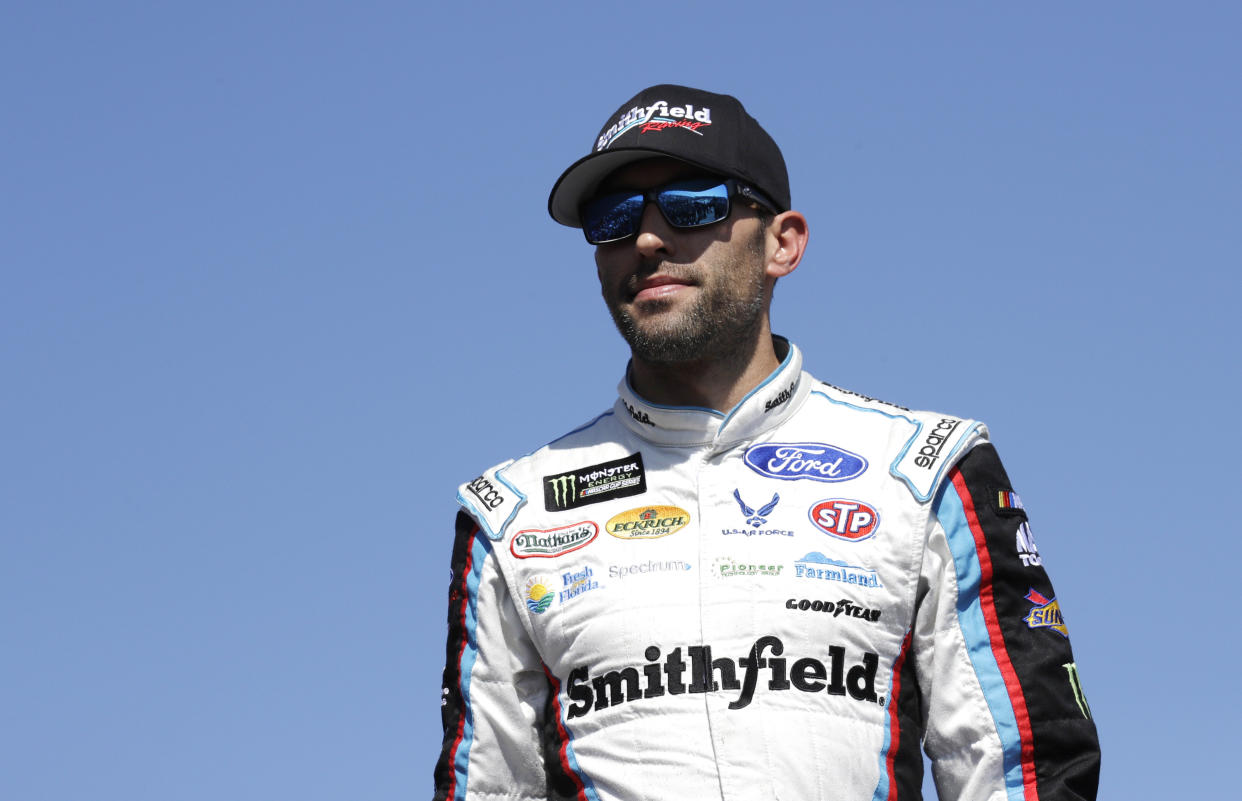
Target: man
740, 582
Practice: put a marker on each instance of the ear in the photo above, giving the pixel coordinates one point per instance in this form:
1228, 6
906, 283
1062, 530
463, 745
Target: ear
787, 237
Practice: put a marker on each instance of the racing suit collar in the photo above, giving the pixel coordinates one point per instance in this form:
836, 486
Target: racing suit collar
763, 408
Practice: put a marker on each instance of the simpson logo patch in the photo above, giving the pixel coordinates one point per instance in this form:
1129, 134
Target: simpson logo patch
553, 542
595, 483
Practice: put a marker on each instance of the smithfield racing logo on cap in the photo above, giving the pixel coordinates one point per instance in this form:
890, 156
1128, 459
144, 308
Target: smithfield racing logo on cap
553, 542
657, 117
790, 461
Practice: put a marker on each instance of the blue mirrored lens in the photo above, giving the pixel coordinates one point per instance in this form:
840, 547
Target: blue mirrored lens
688, 204
612, 217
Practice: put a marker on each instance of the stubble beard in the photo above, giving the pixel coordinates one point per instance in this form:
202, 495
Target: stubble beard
722, 324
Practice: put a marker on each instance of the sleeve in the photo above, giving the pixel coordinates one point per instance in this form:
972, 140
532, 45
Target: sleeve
495, 689
1004, 714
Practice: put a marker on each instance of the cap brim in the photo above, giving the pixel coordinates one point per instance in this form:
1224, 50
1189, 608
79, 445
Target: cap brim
583, 176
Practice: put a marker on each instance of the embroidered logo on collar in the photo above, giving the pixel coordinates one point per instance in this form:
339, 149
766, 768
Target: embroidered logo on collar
595, 483
790, 461
638, 414
782, 397
1046, 614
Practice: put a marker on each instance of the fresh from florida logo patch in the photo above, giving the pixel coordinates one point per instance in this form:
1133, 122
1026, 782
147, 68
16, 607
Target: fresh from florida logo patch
549, 543
1046, 614
595, 483
648, 522
817, 461
539, 594
577, 582
845, 519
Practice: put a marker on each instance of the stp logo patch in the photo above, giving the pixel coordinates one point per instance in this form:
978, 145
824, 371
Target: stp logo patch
845, 519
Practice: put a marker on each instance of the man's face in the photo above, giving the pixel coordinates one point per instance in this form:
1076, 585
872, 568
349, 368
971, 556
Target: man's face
683, 294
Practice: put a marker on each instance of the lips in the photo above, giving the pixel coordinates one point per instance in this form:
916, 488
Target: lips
654, 287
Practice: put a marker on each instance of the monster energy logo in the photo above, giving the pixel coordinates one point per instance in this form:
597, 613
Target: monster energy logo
1076, 685
563, 489
595, 483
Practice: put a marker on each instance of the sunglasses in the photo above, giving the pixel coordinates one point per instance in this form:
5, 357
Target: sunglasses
690, 203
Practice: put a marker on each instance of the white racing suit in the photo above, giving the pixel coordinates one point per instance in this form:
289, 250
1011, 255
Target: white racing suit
781, 602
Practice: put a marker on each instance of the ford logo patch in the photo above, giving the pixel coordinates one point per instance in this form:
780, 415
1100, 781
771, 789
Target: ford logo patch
791, 461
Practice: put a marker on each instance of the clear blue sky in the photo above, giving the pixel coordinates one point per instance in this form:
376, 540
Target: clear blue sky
278, 276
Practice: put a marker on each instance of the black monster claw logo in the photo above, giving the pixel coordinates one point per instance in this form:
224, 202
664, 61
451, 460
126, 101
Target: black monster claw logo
756, 519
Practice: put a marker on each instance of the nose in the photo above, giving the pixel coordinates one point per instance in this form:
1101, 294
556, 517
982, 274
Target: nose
654, 233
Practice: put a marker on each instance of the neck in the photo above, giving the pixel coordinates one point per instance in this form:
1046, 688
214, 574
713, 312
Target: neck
716, 383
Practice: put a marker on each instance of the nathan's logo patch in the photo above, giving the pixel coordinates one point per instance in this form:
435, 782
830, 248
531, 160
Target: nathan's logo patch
595, 483
790, 461
648, 522
657, 117
548, 543
929, 452
817, 566
1046, 614
539, 594
845, 519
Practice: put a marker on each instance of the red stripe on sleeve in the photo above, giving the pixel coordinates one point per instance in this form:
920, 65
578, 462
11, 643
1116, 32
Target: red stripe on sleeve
987, 601
894, 725
562, 737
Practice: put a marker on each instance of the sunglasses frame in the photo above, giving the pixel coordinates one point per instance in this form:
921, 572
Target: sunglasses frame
733, 188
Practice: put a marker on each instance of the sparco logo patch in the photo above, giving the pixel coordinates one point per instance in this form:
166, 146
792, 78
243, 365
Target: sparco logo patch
835, 608
648, 522
929, 452
791, 461
486, 492
1046, 614
548, 543
817, 566
693, 670
656, 117
595, 483
845, 519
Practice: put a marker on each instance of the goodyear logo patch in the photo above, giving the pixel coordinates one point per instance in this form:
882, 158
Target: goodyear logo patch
648, 522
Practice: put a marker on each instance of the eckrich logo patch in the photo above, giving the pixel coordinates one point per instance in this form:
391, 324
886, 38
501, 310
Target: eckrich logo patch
790, 461
657, 117
817, 566
763, 666
648, 522
845, 519
1046, 614
539, 594
595, 483
549, 543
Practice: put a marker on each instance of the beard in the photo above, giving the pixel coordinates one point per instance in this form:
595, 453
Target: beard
721, 325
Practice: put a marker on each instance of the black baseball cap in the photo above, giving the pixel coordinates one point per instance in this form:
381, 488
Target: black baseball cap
701, 128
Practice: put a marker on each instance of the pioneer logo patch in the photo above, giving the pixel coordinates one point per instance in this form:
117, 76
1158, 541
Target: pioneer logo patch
595, 483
